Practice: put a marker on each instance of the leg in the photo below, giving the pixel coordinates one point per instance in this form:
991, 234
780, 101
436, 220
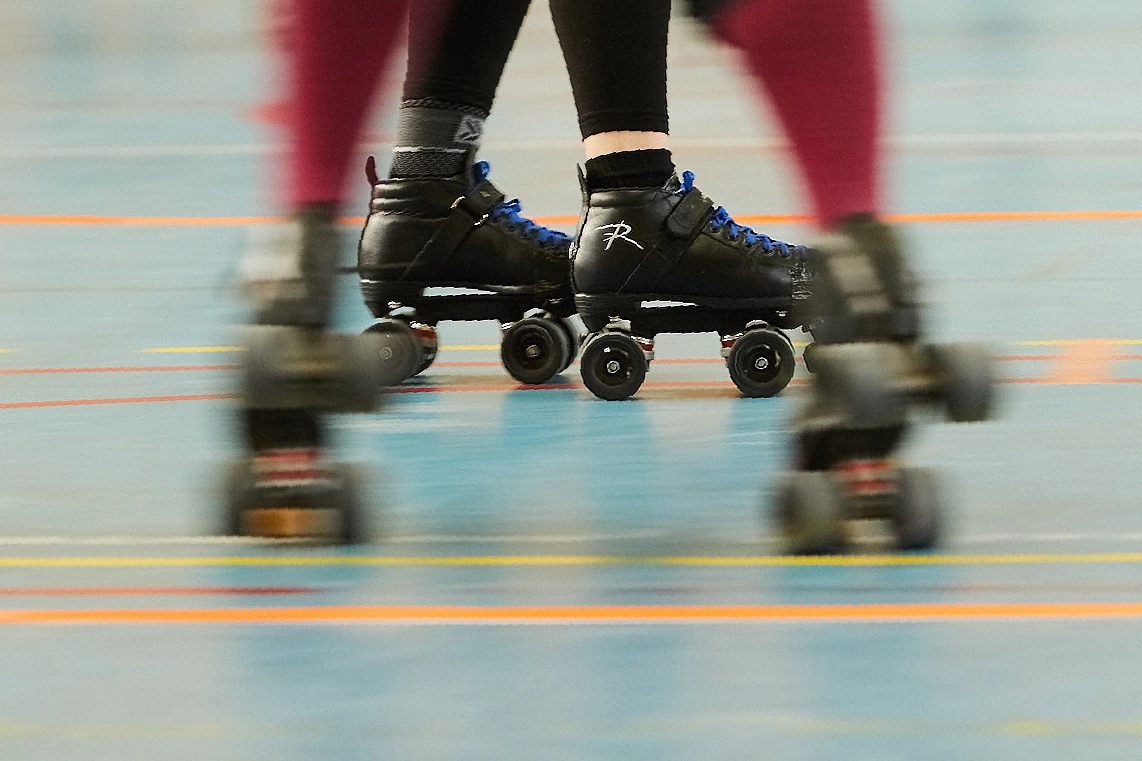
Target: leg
437, 221
826, 89
645, 235
294, 370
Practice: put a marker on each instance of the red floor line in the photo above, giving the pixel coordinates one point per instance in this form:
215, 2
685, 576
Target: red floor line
475, 389
589, 614
121, 400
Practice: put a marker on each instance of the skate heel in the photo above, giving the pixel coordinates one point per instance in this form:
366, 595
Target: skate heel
597, 311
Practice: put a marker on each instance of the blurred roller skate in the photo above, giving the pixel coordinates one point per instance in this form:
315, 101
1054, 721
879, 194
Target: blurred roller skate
461, 232
871, 369
636, 248
294, 372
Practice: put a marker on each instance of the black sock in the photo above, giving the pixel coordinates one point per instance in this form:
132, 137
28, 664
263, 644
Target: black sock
436, 139
649, 168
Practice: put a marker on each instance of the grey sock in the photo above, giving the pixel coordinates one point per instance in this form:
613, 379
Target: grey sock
436, 139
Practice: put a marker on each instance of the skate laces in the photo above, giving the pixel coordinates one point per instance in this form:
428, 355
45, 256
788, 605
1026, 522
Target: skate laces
734, 231
508, 213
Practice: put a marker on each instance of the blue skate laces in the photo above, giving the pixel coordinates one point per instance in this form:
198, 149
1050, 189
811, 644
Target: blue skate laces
752, 238
508, 212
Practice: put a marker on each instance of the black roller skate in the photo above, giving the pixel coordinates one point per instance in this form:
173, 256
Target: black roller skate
871, 369
671, 244
462, 233
294, 372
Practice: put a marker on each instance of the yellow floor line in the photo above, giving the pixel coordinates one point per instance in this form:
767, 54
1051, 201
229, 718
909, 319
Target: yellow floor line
191, 349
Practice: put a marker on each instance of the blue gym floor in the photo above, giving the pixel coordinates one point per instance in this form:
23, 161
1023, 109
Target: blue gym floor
556, 577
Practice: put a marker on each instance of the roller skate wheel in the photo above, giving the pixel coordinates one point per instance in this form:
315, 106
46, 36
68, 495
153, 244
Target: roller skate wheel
535, 349
398, 350
810, 512
966, 380
916, 520
761, 363
865, 383
613, 366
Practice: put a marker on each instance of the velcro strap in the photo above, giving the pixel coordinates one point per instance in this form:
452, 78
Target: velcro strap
467, 211
690, 213
683, 224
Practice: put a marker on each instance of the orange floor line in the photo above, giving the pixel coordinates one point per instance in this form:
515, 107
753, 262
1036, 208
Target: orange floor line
135, 369
571, 220
1083, 362
584, 614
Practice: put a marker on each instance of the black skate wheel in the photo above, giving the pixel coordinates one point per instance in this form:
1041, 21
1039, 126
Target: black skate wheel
761, 363
810, 512
966, 380
613, 366
864, 383
534, 350
399, 353
916, 518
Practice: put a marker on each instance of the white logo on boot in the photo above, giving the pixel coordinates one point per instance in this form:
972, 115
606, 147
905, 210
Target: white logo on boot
619, 231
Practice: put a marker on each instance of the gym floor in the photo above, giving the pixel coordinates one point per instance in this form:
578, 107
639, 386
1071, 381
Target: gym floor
555, 576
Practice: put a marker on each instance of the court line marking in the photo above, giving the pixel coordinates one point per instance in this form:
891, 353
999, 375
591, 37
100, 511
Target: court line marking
488, 363
191, 349
993, 140
616, 536
461, 615
119, 220
488, 388
1083, 362
123, 369
109, 401
697, 561
154, 591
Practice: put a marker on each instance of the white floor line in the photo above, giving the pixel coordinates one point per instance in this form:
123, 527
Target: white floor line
999, 140
410, 539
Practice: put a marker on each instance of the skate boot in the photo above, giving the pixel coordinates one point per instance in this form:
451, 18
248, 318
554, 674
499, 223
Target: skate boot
671, 244
293, 373
871, 368
461, 233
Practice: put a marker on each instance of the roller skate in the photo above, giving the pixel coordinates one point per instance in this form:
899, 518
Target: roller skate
294, 372
671, 244
871, 368
461, 233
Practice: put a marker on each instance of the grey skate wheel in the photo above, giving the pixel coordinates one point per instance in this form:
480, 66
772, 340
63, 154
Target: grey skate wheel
398, 352
916, 518
613, 366
966, 379
534, 350
574, 338
810, 512
761, 363
809, 354
864, 382
429, 344
303, 368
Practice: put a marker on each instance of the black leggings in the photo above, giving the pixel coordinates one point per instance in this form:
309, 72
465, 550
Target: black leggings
457, 54
615, 52
616, 57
